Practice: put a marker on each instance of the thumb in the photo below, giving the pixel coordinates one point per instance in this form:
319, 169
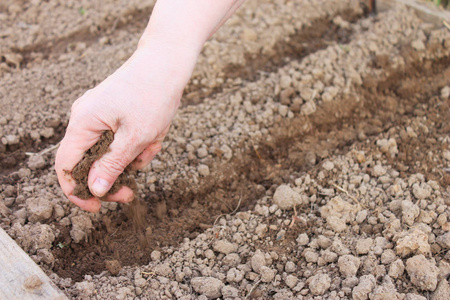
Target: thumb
105, 171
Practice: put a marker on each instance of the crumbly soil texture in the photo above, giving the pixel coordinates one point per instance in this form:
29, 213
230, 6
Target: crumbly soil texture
81, 171
310, 159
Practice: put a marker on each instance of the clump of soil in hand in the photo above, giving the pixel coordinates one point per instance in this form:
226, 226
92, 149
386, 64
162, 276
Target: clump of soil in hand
81, 171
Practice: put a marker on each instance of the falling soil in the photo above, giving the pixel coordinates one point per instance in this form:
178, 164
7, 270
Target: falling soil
81, 171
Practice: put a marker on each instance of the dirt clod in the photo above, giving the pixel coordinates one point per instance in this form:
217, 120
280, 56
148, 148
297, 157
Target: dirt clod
81, 171
33, 282
208, 286
423, 272
113, 266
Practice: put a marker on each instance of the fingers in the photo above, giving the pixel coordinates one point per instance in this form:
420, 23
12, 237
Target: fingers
75, 143
150, 152
124, 195
123, 150
91, 204
146, 156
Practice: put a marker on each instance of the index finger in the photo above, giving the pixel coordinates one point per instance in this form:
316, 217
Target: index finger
92, 204
73, 146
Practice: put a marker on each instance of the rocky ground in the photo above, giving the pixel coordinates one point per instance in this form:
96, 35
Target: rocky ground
310, 158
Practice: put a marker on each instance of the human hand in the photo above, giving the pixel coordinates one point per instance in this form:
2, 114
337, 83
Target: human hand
140, 99
137, 103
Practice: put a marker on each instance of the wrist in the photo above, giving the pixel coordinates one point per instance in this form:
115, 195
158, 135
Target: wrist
181, 23
163, 64
171, 39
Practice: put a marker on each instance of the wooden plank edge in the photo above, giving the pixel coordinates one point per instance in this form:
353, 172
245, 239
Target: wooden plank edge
20, 277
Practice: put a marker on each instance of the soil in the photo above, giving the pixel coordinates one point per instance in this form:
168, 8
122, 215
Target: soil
346, 112
334, 128
81, 171
320, 33
298, 45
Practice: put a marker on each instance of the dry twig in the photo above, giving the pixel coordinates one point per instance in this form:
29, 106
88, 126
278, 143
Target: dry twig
232, 213
253, 288
294, 218
446, 24
257, 153
348, 194
148, 273
42, 152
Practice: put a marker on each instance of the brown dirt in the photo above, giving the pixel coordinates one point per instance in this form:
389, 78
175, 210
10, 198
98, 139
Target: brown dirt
304, 42
262, 166
52, 48
385, 104
15, 155
335, 128
314, 37
317, 36
81, 171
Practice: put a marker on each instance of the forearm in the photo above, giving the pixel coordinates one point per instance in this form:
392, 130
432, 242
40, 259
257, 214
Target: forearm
174, 38
187, 23
140, 99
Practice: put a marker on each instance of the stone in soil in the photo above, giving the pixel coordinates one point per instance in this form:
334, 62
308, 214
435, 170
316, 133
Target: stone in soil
285, 197
422, 272
209, 286
319, 284
39, 209
113, 266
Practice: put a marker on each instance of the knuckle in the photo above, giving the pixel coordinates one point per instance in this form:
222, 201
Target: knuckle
135, 135
80, 103
151, 134
138, 138
76, 104
140, 164
114, 166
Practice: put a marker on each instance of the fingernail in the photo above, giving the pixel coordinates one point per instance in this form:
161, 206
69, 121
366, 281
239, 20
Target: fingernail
100, 187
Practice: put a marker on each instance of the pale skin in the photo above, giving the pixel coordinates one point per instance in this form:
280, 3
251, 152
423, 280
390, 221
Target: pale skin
140, 99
